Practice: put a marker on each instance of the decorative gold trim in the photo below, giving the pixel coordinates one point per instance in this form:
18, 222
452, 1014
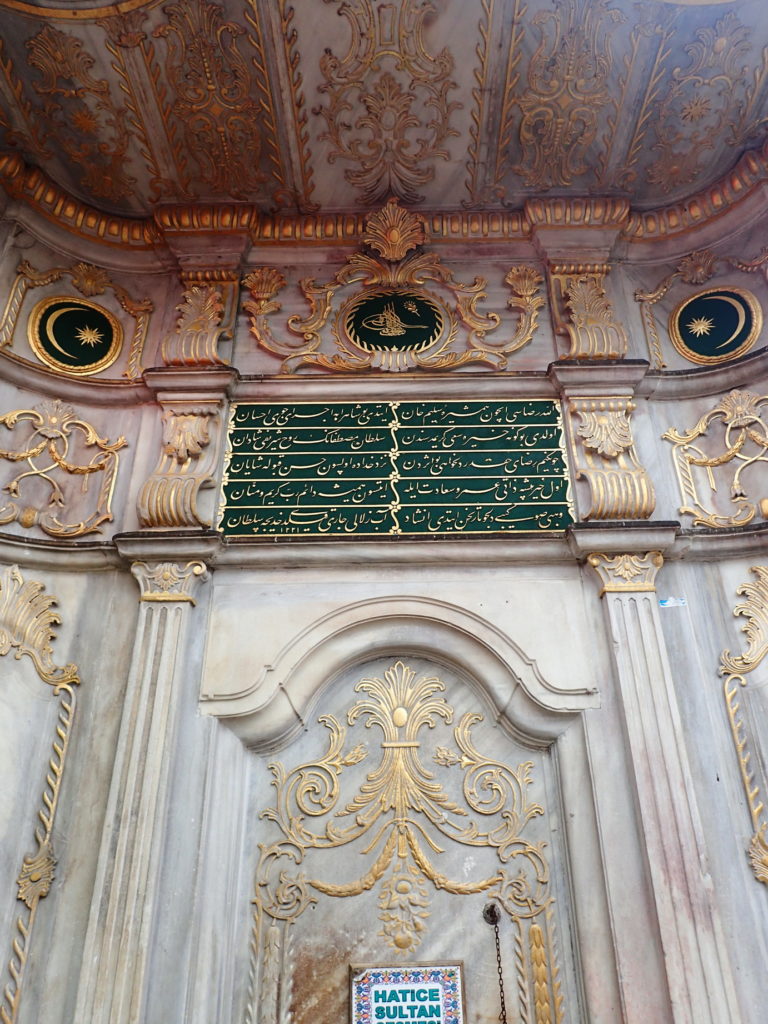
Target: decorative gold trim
75, 12
746, 345
745, 441
33, 326
589, 322
27, 628
199, 327
627, 574
735, 668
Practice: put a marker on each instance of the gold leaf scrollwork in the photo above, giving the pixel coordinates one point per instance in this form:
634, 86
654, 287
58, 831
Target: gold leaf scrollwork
27, 624
567, 80
50, 448
620, 486
743, 442
402, 819
393, 233
392, 146
212, 96
736, 669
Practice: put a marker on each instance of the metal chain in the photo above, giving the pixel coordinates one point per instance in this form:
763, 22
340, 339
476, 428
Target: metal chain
491, 915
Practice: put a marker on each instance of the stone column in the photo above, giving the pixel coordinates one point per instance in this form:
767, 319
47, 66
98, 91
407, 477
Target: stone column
697, 962
117, 949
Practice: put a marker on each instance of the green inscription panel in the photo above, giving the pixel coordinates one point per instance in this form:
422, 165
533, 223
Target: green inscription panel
372, 468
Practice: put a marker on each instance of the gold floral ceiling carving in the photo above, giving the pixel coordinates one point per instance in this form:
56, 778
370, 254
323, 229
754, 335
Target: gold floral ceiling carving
313, 107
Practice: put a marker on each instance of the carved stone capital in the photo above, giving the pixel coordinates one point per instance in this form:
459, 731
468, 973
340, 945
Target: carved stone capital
169, 581
628, 573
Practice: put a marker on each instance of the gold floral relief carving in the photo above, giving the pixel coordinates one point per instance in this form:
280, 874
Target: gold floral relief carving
81, 118
394, 234
27, 627
620, 486
741, 444
746, 712
567, 86
89, 280
700, 101
401, 819
392, 145
584, 313
212, 96
56, 447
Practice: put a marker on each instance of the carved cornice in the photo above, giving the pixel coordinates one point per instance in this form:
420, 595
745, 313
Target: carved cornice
34, 188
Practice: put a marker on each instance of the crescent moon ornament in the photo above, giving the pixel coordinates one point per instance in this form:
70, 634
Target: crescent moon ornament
50, 336
74, 336
704, 330
740, 311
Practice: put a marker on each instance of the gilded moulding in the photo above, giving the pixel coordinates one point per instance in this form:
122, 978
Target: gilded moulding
743, 442
605, 455
743, 721
410, 327
405, 820
54, 438
627, 573
27, 628
88, 280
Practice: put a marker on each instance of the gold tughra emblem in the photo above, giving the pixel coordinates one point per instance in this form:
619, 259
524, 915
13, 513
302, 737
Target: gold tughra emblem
388, 323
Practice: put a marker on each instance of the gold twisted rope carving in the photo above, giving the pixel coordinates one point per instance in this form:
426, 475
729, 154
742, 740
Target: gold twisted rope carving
735, 668
27, 628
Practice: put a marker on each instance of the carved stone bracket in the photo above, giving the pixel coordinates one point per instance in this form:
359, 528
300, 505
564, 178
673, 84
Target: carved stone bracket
745, 719
27, 628
620, 486
583, 312
206, 315
627, 573
188, 461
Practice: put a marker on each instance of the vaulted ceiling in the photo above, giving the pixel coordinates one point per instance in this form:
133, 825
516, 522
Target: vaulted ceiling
333, 105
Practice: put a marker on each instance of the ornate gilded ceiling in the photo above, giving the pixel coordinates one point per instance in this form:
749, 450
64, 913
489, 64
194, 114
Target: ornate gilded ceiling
334, 105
